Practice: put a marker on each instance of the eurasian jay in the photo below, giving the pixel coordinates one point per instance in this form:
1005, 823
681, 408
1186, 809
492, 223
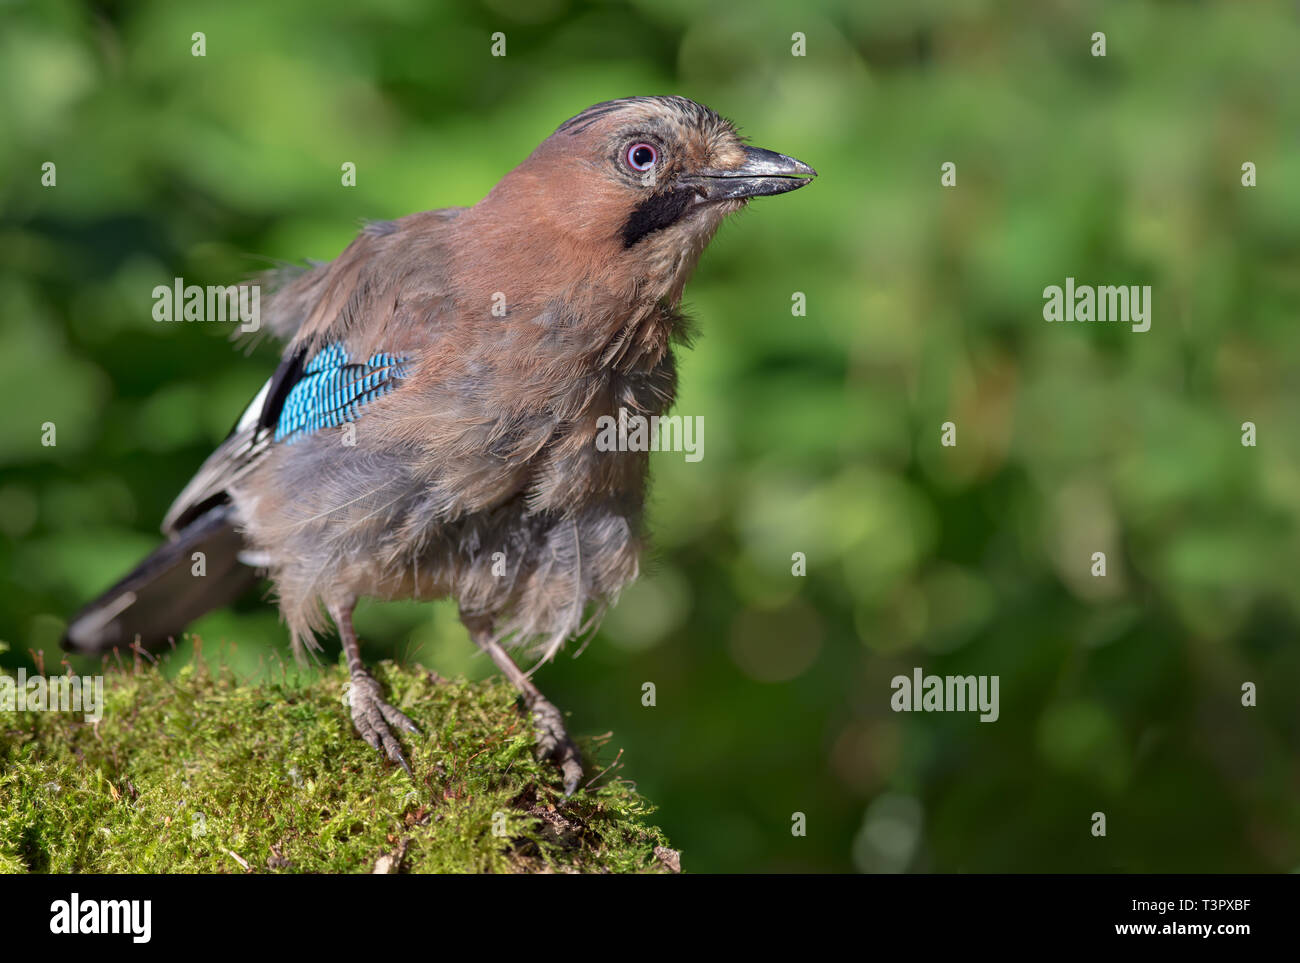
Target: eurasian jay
431, 430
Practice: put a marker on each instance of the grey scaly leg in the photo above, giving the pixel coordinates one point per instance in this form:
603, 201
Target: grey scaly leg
553, 741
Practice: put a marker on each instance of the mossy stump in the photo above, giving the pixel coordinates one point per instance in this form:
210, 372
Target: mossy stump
203, 773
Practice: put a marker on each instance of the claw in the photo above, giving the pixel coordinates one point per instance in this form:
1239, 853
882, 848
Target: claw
372, 716
553, 743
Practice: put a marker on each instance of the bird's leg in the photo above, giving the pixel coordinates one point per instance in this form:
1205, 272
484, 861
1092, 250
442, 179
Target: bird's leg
553, 741
370, 713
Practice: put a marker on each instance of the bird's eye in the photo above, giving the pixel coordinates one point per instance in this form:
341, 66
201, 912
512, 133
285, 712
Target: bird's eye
641, 157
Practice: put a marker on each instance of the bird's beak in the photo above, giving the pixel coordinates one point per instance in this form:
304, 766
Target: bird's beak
762, 172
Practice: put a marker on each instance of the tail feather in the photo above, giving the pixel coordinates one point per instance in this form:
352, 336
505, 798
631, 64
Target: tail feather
163, 594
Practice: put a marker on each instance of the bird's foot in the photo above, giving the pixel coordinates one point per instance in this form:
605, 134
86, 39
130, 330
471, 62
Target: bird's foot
372, 716
553, 743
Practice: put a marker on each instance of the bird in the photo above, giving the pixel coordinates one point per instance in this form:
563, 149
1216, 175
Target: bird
430, 432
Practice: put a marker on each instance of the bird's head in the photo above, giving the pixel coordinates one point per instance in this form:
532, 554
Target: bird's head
645, 180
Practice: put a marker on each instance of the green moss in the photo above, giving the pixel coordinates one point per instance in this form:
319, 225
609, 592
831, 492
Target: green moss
202, 773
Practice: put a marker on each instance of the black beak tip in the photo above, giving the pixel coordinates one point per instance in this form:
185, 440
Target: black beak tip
781, 172
785, 185
799, 169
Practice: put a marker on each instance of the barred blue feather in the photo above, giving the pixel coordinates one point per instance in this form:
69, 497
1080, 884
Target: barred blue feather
333, 390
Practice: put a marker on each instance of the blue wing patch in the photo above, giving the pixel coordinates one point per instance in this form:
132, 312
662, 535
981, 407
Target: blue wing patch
332, 391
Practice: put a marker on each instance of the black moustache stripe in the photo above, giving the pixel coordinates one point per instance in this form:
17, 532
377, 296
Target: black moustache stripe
656, 213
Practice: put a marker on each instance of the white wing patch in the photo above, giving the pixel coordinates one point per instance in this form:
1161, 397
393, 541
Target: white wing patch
233, 458
248, 419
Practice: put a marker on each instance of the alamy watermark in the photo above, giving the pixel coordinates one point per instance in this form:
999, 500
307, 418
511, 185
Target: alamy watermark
953, 693
629, 432
1127, 304
216, 302
59, 693
130, 917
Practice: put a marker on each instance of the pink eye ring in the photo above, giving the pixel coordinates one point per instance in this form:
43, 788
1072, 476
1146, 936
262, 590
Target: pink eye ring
642, 157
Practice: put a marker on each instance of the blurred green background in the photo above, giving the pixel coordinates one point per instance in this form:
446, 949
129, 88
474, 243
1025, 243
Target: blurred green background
924, 305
